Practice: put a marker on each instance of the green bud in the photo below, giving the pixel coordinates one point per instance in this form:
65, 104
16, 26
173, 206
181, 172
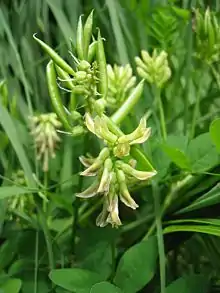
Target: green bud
80, 76
75, 115
77, 130
83, 65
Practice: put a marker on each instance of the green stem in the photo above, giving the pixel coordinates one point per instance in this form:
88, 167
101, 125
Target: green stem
47, 236
157, 93
196, 107
187, 73
129, 104
36, 261
160, 240
216, 75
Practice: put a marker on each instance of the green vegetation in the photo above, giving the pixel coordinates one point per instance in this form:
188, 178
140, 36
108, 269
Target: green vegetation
110, 142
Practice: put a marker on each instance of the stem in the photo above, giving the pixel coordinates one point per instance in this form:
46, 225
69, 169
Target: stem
216, 75
160, 240
187, 73
113, 250
196, 108
129, 104
36, 261
157, 93
47, 237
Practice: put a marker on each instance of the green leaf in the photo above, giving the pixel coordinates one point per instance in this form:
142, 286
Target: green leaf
94, 247
206, 229
4, 141
214, 131
9, 191
189, 284
177, 156
202, 153
134, 271
9, 127
11, 286
210, 198
105, 287
175, 149
76, 280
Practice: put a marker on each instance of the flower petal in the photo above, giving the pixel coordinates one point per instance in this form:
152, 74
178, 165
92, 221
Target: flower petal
92, 170
90, 191
141, 175
106, 177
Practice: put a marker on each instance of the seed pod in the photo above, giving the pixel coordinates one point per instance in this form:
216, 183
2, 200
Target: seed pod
55, 95
92, 51
87, 34
55, 57
80, 39
64, 77
102, 67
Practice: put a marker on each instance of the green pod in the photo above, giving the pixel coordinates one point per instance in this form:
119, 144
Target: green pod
102, 67
80, 39
64, 77
55, 57
72, 102
55, 95
92, 51
87, 34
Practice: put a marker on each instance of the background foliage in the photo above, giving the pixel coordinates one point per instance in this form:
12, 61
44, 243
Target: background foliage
168, 245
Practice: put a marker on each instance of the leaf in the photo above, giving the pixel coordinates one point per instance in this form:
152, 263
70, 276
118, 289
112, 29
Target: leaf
212, 197
175, 149
76, 280
11, 286
214, 131
189, 284
206, 229
9, 127
105, 287
177, 156
94, 247
202, 153
9, 191
134, 271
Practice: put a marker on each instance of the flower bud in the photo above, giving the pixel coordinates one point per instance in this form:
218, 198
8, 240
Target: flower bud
121, 150
77, 130
90, 191
80, 76
92, 170
140, 175
125, 196
101, 220
106, 178
83, 65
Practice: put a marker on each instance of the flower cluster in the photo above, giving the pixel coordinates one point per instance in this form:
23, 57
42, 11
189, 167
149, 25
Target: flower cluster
154, 69
44, 130
22, 202
113, 174
207, 31
120, 83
